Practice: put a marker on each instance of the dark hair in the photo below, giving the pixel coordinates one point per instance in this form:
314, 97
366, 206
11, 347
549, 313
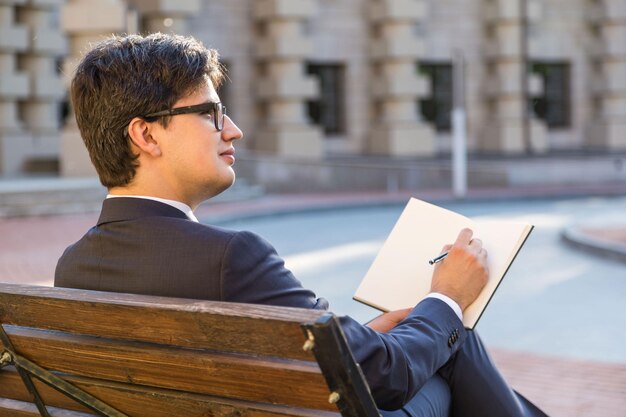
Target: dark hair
128, 76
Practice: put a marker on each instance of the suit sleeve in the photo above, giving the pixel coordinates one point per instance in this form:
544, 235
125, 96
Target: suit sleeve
395, 364
398, 363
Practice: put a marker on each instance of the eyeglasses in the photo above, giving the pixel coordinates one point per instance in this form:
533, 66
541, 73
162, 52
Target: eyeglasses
216, 109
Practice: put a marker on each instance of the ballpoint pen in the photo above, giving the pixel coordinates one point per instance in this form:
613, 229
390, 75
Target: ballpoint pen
438, 258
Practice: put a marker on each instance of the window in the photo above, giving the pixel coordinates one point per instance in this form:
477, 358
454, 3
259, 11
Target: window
224, 90
328, 110
553, 105
437, 109
63, 105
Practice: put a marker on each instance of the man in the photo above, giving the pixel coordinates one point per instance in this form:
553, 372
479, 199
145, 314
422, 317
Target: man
158, 136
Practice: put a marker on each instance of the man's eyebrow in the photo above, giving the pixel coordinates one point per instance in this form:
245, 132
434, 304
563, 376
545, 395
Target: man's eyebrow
203, 103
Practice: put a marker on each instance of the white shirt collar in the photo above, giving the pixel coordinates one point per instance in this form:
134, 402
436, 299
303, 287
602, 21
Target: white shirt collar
176, 204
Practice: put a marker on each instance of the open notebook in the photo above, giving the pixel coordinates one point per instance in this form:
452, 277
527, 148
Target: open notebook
400, 276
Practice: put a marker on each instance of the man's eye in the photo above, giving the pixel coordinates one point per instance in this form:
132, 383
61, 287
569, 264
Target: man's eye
207, 113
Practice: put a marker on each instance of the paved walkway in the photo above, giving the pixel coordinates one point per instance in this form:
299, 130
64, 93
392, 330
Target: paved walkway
29, 248
566, 387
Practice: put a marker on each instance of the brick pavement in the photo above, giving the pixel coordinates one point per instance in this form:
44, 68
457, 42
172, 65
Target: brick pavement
566, 387
29, 248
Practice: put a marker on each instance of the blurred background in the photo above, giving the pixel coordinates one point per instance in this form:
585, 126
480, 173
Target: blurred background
494, 108
353, 94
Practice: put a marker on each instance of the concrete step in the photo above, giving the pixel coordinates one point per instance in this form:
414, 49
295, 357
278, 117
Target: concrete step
43, 196
52, 195
372, 174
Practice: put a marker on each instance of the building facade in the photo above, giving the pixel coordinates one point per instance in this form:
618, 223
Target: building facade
324, 78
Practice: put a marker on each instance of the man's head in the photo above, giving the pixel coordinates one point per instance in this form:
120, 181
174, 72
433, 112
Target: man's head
123, 78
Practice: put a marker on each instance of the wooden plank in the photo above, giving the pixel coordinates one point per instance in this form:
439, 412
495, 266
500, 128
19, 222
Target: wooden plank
262, 379
12, 387
143, 401
11, 408
247, 328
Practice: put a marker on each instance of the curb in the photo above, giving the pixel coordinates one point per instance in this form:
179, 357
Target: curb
277, 206
576, 238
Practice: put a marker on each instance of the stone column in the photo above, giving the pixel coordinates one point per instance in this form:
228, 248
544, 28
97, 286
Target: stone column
86, 21
41, 110
607, 19
165, 15
14, 86
507, 59
283, 87
396, 87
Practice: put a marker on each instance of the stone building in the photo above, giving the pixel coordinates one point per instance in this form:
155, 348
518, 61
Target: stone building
31, 90
320, 79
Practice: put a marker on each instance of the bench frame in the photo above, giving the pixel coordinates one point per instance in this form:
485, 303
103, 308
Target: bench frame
323, 337
28, 369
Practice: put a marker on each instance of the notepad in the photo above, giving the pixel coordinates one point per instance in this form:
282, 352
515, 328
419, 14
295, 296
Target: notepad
400, 275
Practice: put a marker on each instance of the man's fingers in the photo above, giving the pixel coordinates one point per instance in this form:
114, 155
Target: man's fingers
464, 238
476, 245
446, 248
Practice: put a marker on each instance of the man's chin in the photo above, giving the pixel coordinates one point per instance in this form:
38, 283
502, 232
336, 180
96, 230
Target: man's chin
218, 189
232, 181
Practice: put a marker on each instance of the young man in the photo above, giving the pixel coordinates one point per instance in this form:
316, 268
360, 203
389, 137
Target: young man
161, 143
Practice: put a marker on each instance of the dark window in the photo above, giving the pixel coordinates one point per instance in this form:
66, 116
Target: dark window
224, 90
328, 110
63, 106
437, 108
554, 105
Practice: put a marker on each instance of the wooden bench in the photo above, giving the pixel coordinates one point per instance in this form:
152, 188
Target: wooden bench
134, 355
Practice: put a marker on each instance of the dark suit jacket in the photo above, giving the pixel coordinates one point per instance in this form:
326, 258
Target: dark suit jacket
146, 247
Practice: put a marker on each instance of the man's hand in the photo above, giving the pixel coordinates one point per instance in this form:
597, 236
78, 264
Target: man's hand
388, 321
463, 273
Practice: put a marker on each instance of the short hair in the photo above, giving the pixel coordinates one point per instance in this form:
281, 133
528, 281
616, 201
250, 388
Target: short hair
123, 77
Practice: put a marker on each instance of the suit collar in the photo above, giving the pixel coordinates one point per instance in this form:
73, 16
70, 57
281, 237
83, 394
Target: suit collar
121, 209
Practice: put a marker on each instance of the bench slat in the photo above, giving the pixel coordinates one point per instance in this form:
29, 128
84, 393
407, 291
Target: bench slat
247, 328
12, 387
143, 401
296, 383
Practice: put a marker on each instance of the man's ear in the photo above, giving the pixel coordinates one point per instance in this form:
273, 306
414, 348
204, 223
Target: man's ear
141, 135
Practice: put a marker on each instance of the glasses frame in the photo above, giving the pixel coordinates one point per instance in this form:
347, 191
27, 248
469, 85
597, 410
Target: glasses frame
219, 111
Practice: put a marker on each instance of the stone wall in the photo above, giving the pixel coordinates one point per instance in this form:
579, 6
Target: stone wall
31, 92
607, 75
267, 45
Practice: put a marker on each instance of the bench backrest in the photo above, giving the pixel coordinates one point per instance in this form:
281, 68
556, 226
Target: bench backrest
157, 356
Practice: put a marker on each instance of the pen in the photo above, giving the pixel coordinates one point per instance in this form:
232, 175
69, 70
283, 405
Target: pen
438, 258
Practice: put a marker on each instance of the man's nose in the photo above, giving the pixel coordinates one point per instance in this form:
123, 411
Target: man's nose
230, 130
